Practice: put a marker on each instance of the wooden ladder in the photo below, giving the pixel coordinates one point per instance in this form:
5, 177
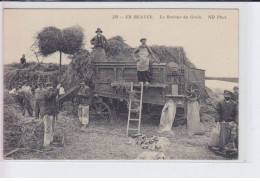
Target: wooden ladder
131, 110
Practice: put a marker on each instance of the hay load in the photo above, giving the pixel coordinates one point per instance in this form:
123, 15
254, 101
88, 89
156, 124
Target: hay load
118, 50
80, 67
177, 54
51, 39
72, 40
31, 74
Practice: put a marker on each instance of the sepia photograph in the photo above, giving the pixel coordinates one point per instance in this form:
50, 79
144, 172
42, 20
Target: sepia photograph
121, 84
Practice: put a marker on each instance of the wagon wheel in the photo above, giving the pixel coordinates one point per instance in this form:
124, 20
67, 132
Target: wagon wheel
99, 111
192, 92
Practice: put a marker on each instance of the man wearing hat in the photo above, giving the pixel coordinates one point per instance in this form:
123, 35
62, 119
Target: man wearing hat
227, 115
100, 43
48, 112
84, 95
227, 109
141, 55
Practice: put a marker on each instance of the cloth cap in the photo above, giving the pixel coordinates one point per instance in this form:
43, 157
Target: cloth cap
227, 92
143, 39
235, 88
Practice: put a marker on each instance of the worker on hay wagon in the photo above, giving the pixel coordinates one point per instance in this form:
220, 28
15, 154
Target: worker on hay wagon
227, 115
48, 112
141, 55
85, 97
100, 43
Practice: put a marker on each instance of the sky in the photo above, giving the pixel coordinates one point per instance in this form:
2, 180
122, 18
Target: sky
209, 43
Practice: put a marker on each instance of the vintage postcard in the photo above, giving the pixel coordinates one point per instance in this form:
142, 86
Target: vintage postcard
121, 84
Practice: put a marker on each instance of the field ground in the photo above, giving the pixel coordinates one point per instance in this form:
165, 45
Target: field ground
107, 141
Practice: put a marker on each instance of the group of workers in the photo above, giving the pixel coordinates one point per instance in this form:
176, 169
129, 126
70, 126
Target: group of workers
45, 96
142, 55
45, 104
227, 109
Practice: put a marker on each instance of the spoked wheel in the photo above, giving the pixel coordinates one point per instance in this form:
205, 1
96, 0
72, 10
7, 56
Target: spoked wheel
193, 92
99, 111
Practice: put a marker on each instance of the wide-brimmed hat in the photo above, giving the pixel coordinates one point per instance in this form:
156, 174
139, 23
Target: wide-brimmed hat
142, 39
99, 30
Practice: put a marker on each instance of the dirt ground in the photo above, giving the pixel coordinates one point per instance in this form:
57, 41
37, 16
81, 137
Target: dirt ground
107, 141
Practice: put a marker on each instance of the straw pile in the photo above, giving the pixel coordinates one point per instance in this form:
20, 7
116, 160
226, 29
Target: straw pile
79, 68
72, 39
12, 132
166, 54
118, 50
51, 39
19, 131
31, 74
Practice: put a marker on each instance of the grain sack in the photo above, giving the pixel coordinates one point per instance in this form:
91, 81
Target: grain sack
193, 119
225, 133
167, 117
215, 135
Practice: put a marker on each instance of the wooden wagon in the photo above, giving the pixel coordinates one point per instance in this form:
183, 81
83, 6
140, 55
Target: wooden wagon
113, 78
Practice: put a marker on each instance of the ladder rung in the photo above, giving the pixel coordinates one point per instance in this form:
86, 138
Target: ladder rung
137, 85
132, 129
133, 119
137, 91
134, 100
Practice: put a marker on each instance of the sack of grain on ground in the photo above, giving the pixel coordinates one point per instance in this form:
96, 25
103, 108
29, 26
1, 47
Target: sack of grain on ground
193, 119
215, 135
